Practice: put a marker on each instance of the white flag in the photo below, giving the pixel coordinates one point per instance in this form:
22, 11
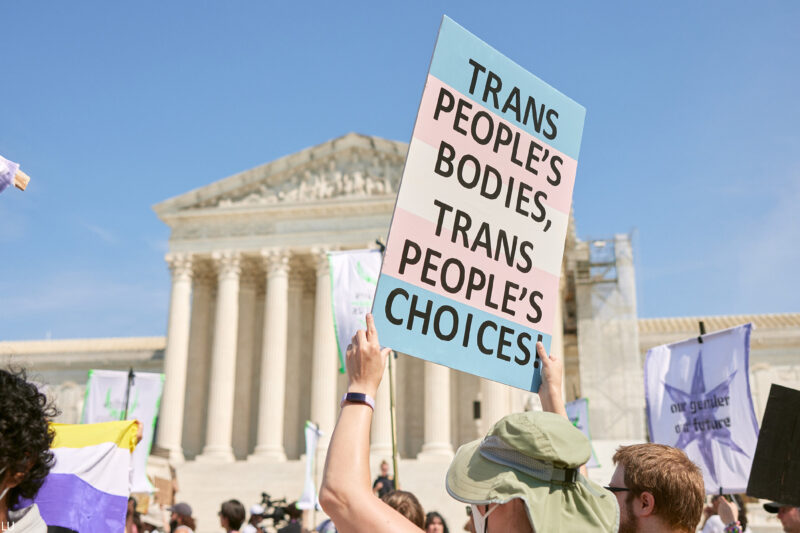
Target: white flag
105, 402
309, 498
698, 400
578, 414
354, 276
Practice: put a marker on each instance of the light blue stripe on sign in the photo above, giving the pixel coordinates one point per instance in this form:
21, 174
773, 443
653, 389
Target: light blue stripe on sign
456, 46
452, 353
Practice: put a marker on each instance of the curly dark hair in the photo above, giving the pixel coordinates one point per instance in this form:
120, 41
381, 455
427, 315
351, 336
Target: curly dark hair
25, 433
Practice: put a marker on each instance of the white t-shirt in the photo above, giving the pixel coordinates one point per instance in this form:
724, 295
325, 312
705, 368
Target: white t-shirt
27, 520
714, 525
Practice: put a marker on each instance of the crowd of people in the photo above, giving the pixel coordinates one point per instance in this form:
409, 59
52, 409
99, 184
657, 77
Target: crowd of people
526, 475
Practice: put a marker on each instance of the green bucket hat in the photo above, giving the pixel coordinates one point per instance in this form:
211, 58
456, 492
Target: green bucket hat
534, 456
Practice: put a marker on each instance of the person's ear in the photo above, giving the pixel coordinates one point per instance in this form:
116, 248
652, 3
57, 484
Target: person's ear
645, 504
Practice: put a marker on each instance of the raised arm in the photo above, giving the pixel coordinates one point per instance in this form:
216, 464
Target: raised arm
552, 376
346, 492
550, 390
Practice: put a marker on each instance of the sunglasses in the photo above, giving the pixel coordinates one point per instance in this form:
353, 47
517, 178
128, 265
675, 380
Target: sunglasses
616, 489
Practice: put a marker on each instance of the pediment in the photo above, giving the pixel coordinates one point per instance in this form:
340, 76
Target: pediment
352, 166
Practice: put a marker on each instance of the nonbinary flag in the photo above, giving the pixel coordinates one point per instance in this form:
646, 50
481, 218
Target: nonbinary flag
698, 400
354, 276
106, 391
88, 487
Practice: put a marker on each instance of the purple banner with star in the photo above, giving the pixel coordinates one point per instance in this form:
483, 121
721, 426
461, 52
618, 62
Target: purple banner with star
698, 400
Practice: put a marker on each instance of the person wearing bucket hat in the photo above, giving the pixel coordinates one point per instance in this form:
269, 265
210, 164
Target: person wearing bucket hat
532, 466
533, 457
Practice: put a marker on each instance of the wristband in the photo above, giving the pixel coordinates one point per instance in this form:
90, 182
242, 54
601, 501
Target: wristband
358, 397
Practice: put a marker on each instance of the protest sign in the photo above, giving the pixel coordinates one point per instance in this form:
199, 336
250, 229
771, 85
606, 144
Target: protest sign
354, 275
471, 272
310, 499
776, 467
165, 491
698, 400
106, 392
578, 414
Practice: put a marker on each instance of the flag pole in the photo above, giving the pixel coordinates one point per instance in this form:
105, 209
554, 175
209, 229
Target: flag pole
128, 393
392, 355
392, 411
316, 476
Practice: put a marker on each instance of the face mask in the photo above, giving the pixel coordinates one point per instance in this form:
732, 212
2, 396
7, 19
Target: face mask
3, 494
480, 520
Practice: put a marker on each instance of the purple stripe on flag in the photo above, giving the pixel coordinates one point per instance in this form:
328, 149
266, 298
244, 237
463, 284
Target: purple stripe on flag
68, 501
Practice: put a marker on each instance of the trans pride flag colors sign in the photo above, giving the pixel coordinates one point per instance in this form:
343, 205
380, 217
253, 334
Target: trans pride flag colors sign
472, 265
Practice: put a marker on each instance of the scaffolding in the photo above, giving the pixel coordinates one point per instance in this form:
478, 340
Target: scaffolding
601, 265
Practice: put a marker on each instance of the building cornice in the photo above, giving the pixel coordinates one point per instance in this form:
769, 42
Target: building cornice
771, 331
68, 346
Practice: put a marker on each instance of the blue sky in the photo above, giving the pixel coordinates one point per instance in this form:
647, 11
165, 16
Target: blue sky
691, 134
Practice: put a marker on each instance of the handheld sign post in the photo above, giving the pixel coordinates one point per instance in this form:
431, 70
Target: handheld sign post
471, 271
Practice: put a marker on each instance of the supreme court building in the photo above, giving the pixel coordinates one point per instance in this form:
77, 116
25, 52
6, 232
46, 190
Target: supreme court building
250, 352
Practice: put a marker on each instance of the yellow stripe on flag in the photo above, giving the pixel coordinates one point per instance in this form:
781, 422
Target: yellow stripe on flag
122, 433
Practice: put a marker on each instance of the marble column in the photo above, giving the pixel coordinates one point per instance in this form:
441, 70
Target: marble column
204, 287
219, 427
325, 364
170, 427
272, 393
246, 356
437, 443
495, 403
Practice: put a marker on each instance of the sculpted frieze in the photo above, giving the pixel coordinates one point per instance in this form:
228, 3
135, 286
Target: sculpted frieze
353, 174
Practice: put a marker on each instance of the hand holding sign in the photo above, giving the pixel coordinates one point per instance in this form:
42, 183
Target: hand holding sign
365, 360
552, 376
728, 511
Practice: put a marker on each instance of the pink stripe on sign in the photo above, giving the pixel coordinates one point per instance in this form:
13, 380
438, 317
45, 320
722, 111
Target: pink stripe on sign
477, 266
433, 131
